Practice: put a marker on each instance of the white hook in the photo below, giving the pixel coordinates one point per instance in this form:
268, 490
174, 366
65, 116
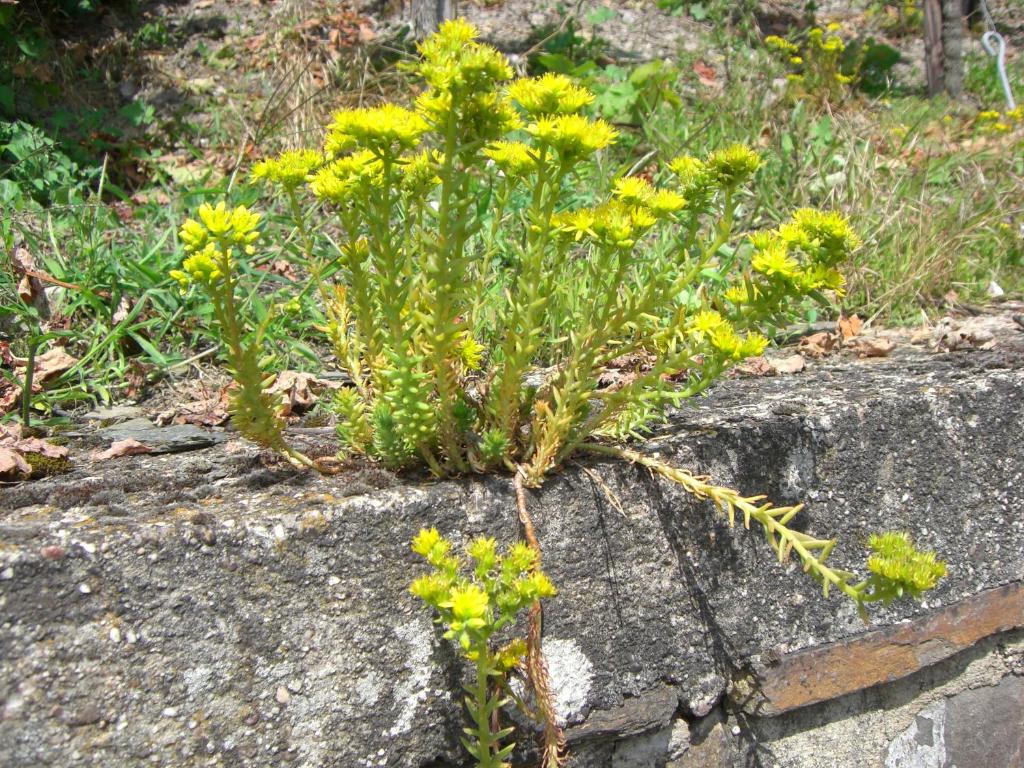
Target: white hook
999, 52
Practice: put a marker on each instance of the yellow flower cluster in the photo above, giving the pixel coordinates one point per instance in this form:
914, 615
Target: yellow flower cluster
289, 169
991, 121
514, 158
452, 59
733, 165
347, 176
386, 130
574, 137
500, 586
462, 75
897, 561
825, 238
722, 336
782, 45
549, 94
613, 223
210, 241
419, 172
635, 191
818, 64
825, 235
830, 43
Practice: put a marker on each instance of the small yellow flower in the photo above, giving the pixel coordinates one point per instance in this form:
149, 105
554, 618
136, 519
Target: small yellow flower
469, 605
828, 233
775, 260
726, 341
574, 136
753, 345
733, 165
289, 169
470, 352
779, 44
348, 176
193, 235
797, 60
514, 158
707, 321
204, 266
665, 202
385, 129
692, 174
549, 94
419, 171
633, 190
578, 223
426, 541
834, 26
217, 220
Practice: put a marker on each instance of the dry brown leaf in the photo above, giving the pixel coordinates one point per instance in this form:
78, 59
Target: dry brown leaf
48, 366
14, 447
9, 396
127, 447
30, 287
788, 365
301, 390
705, 74
204, 412
9, 434
284, 268
950, 336
850, 326
124, 306
12, 465
756, 366
872, 347
818, 344
366, 33
41, 447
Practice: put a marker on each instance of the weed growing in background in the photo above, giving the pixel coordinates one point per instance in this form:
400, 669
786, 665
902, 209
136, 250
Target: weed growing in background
816, 65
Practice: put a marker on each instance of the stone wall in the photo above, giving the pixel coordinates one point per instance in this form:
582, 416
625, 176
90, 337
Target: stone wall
208, 609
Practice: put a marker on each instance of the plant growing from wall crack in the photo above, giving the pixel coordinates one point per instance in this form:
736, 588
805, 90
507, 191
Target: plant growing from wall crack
458, 244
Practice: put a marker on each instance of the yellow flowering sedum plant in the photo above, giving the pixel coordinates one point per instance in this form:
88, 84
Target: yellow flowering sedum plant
476, 600
476, 304
815, 64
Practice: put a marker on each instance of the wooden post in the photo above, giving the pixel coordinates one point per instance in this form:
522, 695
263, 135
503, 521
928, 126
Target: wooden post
933, 47
424, 16
953, 46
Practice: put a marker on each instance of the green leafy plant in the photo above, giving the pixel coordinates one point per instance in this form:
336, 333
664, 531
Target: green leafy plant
475, 601
460, 235
817, 69
629, 96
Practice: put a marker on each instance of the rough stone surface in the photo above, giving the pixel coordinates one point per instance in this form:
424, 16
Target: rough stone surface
208, 609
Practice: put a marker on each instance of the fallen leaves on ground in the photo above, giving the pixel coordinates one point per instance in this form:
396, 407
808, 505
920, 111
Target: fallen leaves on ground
301, 390
873, 347
951, 335
850, 326
818, 345
788, 365
127, 447
48, 367
203, 409
706, 74
14, 448
762, 366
